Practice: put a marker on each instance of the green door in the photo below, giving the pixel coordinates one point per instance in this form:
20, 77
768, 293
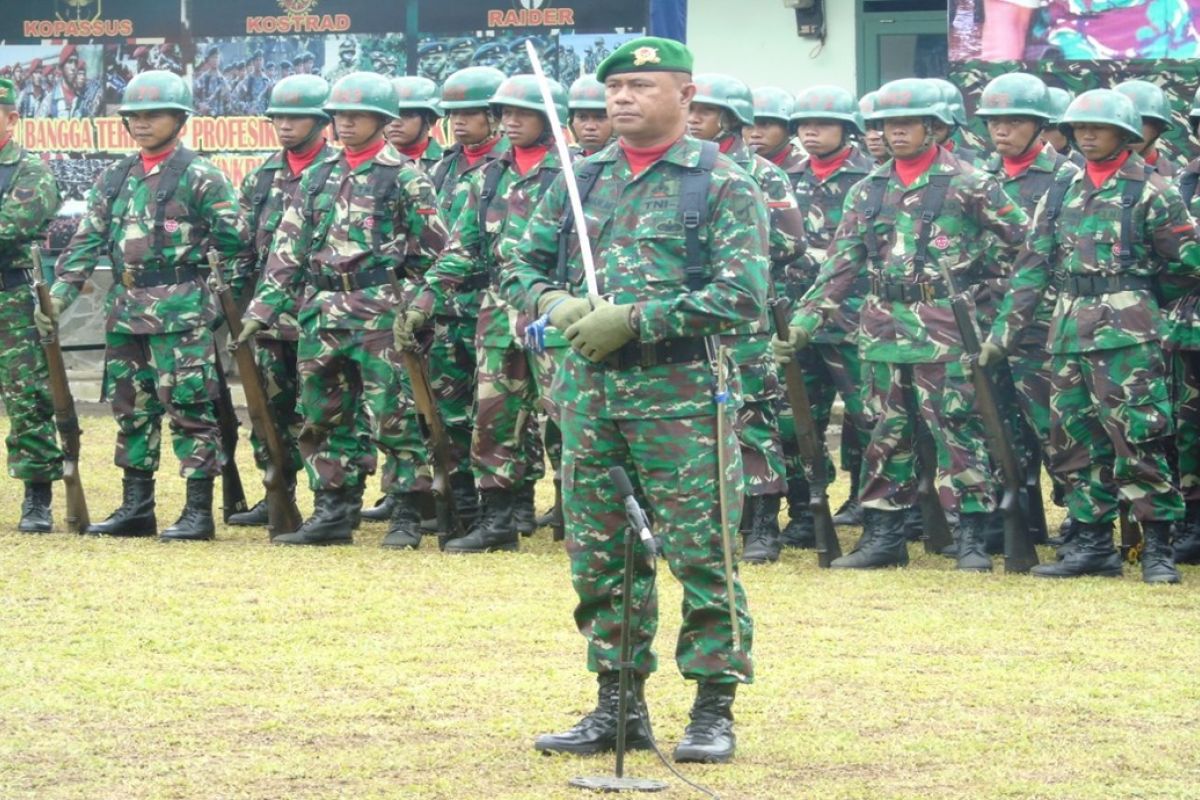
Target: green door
901, 44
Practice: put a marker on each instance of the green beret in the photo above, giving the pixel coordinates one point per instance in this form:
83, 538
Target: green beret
8, 93
647, 54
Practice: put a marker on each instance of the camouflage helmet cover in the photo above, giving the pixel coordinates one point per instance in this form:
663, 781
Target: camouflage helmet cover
727, 92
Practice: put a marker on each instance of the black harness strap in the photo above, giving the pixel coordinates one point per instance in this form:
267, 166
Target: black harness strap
262, 189
7, 173
318, 179
693, 208
441, 170
168, 184
492, 174
1054, 205
931, 208
585, 179
1187, 185
1130, 196
875, 193
383, 189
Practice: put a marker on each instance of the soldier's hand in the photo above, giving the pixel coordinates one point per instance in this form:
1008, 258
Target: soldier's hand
45, 322
784, 350
404, 329
990, 353
564, 308
601, 331
249, 328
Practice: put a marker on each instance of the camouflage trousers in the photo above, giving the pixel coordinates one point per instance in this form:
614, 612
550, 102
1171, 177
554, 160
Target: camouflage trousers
32, 441
148, 375
506, 450
1185, 368
1029, 366
452, 375
342, 371
674, 462
276, 359
545, 366
830, 370
1110, 419
943, 398
757, 422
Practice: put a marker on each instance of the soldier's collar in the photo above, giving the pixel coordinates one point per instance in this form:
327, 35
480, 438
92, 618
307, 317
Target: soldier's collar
11, 152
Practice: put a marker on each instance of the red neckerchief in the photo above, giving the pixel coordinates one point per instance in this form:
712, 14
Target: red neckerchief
150, 162
1017, 166
909, 169
415, 151
526, 158
1152, 159
640, 158
949, 145
357, 157
1100, 171
726, 144
298, 162
824, 167
476, 152
778, 158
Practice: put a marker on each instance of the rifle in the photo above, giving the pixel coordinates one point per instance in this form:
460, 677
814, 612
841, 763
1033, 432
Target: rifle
1019, 552
233, 496
65, 418
282, 514
938, 535
1035, 503
809, 445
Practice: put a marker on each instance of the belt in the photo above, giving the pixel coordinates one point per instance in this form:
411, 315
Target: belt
907, 292
1092, 285
682, 350
146, 278
13, 278
480, 280
351, 281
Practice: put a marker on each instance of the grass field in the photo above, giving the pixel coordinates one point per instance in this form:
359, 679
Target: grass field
132, 669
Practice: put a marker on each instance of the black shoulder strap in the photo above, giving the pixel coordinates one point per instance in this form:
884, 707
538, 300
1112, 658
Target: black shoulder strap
492, 173
875, 193
168, 183
117, 177
383, 190
1129, 199
931, 208
7, 172
693, 209
262, 189
585, 179
1054, 206
318, 177
1187, 185
546, 177
441, 170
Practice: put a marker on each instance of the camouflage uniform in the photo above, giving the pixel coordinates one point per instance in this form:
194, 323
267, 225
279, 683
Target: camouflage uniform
657, 421
1122, 29
26, 207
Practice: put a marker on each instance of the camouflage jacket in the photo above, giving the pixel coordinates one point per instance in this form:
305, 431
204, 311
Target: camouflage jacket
640, 257
921, 331
1122, 29
472, 259
26, 208
263, 215
1086, 242
202, 214
451, 170
339, 239
432, 155
787, 224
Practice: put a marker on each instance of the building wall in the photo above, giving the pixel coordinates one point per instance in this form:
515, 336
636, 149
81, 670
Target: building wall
756, 41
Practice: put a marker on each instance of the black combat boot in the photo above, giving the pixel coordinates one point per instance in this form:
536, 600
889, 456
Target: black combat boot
800, 531
1092, 553
914, 524
1158, 556
524, 517
35, 511
195, 524
883, 543
993, 534
135, 515
254, 517
404, 532
466, 498
1187, 536
382, 510
331, 522
1066, 532
973, 530
494, 529
763, 543
597, 731
353, 500
851, 511
708, 738
553, 518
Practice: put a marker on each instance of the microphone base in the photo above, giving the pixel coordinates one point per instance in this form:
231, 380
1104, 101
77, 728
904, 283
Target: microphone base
610, 783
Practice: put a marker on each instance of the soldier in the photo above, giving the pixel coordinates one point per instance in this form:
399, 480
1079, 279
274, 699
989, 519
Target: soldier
826, 118
589, 121
363, 219
1155, 109
1059, 100
496, 208
949, 135
770, 136
29, 199
914, 223
410, 132
1190, 178
636, 387
873, 138
1109, 236
253, 90
296, 112
304, 61
211, 88
721, 106
155, 214
347, 60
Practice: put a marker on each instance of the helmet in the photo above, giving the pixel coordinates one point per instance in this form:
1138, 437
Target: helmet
1059, 100
416, 93
1149, 100
521, 91
363, 91
472, 87
347, 46
586, 94
299, 96
771, 102
156, 90
1104, 107
304, 55
1017, 94
866, 106
953, 98
910, 97
727, 92
828, 102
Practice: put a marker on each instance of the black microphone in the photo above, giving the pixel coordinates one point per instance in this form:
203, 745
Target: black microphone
637, 518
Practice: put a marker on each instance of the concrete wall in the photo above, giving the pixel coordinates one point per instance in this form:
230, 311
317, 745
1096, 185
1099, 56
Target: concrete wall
756, 41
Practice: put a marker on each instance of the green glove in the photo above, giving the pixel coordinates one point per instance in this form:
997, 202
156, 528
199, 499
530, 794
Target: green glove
45, 322
249, 328
404, 330
565, 309
991, 353
602, 331
784, 350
